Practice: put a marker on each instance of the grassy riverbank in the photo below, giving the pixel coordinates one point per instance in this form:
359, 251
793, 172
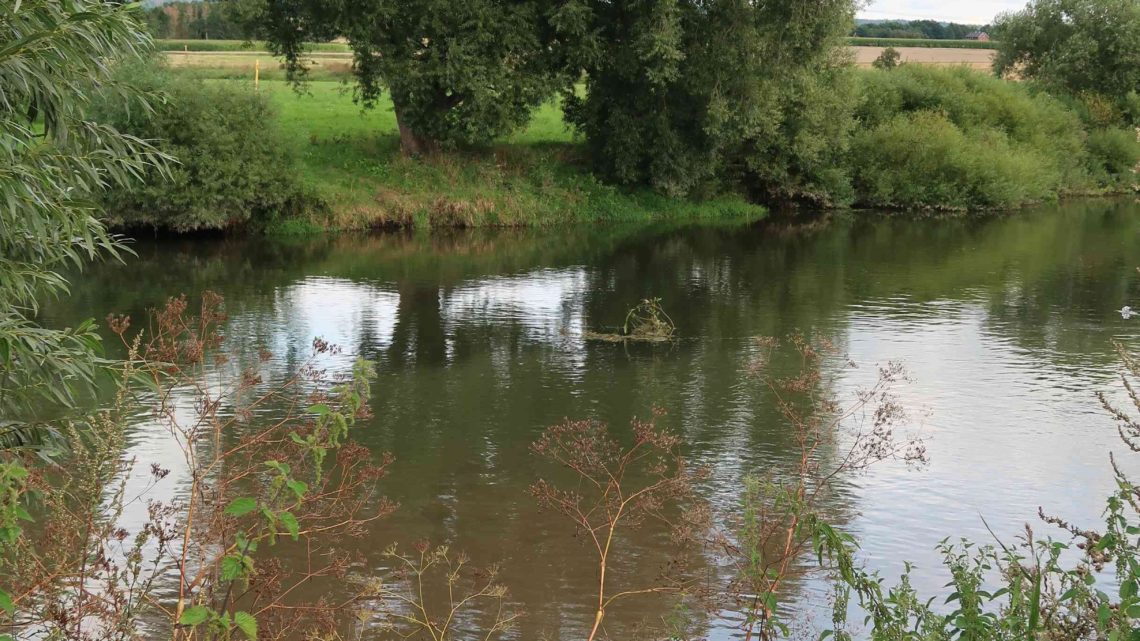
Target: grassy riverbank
918, 138
351, 161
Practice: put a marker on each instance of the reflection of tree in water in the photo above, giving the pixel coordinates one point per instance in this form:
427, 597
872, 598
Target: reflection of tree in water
419, 338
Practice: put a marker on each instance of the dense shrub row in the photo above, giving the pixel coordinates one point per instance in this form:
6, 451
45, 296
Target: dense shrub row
232, 169
955, 138
924, 137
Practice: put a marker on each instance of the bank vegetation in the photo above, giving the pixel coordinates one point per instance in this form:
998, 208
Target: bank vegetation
592, 118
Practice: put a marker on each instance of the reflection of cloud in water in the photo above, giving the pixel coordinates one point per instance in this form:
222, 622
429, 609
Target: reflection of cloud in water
546, 302
336, 310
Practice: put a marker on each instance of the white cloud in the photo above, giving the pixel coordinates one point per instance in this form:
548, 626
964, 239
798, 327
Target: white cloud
968, 11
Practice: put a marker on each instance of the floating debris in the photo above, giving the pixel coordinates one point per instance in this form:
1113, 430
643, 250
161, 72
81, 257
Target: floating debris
646, 322
1126, 312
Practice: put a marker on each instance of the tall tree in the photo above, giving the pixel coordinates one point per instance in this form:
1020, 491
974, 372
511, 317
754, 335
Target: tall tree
459, 72
683, 93
1073, 45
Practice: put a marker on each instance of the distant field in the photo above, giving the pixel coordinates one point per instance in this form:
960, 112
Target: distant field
328, 65
237, 65
920, 43
981, 59
337, 47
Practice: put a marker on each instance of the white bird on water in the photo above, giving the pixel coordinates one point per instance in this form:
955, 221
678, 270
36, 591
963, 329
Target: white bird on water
1126, 312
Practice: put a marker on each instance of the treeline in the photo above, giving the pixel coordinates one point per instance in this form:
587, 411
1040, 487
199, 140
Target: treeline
191, 21
927, 29
770, 109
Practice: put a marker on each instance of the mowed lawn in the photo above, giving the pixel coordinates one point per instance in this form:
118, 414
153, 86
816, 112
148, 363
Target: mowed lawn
326, 108
350, 157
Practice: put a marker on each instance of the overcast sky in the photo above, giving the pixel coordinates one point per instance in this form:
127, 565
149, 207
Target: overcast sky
968, 11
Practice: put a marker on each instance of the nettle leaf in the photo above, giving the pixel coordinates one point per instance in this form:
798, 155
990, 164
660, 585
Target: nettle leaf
299, 488
235, 567
9, 534
195, 615
290, 523
320, 409
241, 506
279, 467
6, 602
247, 624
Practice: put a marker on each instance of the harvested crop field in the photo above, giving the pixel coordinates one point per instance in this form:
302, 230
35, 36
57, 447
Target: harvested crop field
974, 58
337, 63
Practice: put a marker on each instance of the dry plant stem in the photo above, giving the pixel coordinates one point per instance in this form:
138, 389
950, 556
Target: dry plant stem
605, 470
467, 589
784, 517
181, 347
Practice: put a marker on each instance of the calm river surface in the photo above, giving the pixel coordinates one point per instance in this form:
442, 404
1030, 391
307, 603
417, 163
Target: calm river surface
1005, 325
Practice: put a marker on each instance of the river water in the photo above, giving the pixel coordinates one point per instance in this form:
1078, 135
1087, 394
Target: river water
1005, 324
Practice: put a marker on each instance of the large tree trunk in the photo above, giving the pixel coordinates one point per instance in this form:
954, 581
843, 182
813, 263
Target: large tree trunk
411, 143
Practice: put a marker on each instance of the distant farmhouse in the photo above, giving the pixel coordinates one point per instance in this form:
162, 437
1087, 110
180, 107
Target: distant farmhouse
978, 35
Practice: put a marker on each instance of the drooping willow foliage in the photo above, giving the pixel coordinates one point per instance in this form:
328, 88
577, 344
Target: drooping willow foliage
53, 56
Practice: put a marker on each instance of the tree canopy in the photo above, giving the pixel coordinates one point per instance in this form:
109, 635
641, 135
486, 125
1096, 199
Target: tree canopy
459, 72
1076, 46
932, 29
681, 93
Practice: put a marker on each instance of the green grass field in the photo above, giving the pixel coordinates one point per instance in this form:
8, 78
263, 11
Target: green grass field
925, 43
351, 159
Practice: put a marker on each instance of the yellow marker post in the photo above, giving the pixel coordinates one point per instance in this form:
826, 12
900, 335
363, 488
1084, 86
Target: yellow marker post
257, 75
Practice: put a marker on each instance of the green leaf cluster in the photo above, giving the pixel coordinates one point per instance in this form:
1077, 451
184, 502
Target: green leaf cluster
54, 165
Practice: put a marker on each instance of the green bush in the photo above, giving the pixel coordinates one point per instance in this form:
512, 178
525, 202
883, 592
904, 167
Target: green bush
889, 59
923, 159
801, 159
232, 168
955, 138
1114, 151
